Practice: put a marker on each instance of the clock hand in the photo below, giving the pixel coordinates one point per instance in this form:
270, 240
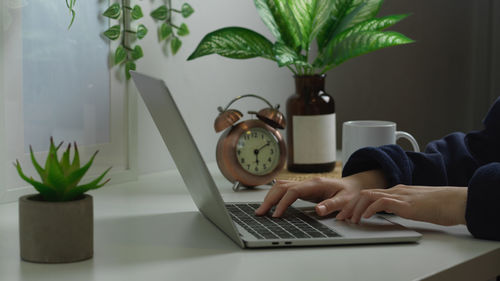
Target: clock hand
258, 150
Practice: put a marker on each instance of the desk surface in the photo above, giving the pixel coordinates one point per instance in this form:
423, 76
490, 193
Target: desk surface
151, 230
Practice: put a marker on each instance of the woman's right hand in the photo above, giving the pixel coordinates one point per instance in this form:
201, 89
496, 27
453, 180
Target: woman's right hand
331, 194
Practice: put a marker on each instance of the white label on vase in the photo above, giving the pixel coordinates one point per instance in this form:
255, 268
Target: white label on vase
314, 139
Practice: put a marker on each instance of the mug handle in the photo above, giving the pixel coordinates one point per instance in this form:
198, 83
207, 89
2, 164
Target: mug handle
410, 138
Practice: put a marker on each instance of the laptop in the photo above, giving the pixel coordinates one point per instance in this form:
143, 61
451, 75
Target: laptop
298, 227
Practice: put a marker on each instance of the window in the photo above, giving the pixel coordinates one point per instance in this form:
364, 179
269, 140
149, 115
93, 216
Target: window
56, 83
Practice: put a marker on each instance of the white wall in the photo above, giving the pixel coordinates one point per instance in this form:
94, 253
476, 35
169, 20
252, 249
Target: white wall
201, 85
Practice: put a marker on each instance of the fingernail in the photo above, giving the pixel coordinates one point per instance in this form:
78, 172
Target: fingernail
322, 209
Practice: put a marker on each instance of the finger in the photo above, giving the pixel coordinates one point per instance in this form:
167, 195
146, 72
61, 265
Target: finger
367, 198
389, 205
331, 205
291, 195
273, 196
309, 189
347, 210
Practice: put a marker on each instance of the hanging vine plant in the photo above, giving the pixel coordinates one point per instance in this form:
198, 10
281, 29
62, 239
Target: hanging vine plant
125, 53
71, 5
166, 32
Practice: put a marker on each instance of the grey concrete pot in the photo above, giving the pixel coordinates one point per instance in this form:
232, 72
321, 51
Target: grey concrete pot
56, 232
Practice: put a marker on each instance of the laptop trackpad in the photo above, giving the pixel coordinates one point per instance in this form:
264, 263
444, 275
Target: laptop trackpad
374, 226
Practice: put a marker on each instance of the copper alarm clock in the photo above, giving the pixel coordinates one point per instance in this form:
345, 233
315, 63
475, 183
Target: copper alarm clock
251, 152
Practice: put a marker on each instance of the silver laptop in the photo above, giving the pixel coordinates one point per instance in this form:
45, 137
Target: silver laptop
298, 227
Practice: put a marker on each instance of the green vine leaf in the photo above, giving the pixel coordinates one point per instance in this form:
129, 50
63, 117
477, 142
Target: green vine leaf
137, 53
186, 10
120, 54
165, 31
183, 30
160, 13
113, 32
141, 31
136, 13
129, 65
175, 44
71, 4
113, 12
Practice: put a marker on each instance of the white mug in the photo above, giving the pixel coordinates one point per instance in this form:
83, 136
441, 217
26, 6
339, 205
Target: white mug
363, 133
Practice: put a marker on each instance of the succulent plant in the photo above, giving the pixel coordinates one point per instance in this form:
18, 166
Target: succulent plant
60, 178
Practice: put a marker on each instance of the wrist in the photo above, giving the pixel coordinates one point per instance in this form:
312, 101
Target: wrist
367, 180
461, 203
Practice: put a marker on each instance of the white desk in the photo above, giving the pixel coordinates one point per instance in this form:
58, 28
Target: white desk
151, 230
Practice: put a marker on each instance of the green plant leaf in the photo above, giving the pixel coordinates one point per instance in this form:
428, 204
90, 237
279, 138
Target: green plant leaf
77, 191
175, 44
136, 12
65, 165
267, 17
129, 65
160, 13
236, 43
285, 55
120, 54
141, 31
368, 10
113, 32
183, 30
74, 177
165, 31
55, 175
186, 10
311, 15
76, 158
362, 43
339, 10
38, 168
376, 24
114, 11
137, 53
286, 22
48, 193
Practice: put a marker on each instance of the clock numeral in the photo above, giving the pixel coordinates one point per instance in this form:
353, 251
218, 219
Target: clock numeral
239, 152
248, 166
256, 168
246, 137
265, 167
254, 135
242, 160
269, 159
272, 151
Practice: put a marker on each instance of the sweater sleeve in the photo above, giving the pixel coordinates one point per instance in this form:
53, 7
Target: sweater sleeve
483, 206
447, 161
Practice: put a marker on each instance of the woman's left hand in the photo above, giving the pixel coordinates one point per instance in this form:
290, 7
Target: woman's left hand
444, 205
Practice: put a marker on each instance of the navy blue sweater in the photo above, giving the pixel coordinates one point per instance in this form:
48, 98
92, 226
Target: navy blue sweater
459, 159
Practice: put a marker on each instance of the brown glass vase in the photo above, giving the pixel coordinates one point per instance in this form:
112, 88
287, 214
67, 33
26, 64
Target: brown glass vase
311, 122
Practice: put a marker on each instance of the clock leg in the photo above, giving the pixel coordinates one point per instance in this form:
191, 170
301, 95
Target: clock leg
236, 186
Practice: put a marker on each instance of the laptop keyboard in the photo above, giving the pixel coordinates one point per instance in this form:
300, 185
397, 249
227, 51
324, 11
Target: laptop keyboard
293, 224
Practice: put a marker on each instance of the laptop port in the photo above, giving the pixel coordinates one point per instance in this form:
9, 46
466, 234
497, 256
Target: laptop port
288, 243
276, 243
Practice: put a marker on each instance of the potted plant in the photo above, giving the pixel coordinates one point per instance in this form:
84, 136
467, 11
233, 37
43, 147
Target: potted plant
56, 225
341, 29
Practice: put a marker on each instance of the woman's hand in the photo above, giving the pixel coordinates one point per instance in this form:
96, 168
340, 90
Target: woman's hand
332, 194
444, 205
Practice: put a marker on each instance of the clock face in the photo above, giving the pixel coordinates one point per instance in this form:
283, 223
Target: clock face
258, 151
